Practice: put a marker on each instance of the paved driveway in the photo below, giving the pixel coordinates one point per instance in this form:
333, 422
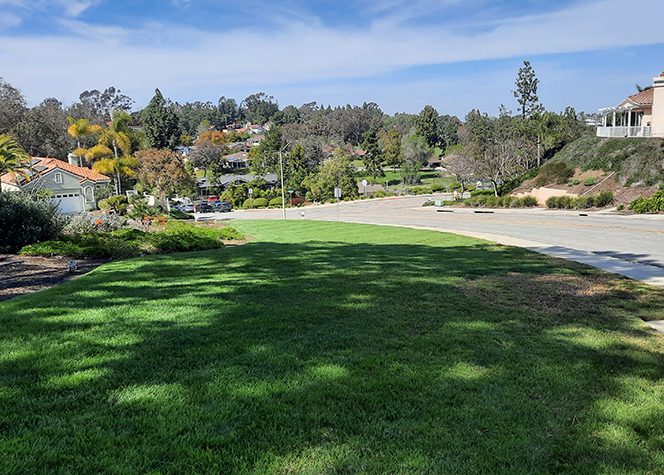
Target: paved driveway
628, 245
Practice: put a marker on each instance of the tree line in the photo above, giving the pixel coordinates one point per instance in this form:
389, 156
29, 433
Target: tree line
315, 143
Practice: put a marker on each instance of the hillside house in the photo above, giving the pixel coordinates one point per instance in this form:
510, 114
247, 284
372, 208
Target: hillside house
639, 115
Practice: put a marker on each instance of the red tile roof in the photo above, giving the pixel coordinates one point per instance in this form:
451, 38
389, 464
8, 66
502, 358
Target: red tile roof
643, 98
48, 164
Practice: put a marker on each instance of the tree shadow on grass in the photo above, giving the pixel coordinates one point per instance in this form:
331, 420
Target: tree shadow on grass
324, 357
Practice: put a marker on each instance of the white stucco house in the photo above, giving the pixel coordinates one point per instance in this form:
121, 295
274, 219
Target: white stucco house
73, 187
639, 115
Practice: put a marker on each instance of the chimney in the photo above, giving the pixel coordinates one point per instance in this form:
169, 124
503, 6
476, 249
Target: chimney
658, 106
73, 160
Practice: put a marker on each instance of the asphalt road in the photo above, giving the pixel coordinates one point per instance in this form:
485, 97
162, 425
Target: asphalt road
629, 245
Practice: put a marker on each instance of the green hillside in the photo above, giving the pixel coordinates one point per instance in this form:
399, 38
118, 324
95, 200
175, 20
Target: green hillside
635, 161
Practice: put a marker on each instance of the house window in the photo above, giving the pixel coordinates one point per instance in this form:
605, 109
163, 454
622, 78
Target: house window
87, 191
58, 178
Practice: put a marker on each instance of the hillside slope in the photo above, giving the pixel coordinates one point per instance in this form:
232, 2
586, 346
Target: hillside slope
634, 161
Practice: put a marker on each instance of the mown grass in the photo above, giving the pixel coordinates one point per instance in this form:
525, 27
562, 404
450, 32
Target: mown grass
331, 347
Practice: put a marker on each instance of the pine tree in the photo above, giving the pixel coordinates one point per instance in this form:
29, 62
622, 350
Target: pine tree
373, 157
426, 125
160, 123
526, 91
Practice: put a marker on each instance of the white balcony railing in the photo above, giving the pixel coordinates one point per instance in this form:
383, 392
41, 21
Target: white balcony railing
640, 131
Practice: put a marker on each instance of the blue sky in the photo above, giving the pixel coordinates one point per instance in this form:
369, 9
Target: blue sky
403, 54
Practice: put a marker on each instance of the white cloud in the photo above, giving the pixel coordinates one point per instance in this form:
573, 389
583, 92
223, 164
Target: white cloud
183, 60
9, 20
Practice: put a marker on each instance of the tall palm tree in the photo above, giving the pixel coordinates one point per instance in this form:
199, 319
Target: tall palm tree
112, 154
12, 157
80, 128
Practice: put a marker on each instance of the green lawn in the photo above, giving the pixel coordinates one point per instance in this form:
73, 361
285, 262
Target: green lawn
327, 347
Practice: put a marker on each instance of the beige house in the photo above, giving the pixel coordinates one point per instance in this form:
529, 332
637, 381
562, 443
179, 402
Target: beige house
639, 115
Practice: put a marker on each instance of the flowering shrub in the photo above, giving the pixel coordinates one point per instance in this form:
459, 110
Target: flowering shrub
94, 223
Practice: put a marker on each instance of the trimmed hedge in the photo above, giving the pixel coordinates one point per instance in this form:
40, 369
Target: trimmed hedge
599, 200
275, 203
257, 203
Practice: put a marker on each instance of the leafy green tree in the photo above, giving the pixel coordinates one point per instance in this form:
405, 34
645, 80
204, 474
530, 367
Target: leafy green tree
336, 172
526, 91
97, 106
163, 172
12, 107
392, 147
42, 130
373, 157
265, 157
160, 123
13, 159
426, 126
297, 168
415, 151
228, 111
448, 127
259, 107
289, 115
207, 154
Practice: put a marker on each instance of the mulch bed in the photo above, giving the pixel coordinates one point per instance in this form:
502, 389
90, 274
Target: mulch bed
21, 275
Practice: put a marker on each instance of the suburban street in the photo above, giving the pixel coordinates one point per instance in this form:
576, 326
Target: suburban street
629, 245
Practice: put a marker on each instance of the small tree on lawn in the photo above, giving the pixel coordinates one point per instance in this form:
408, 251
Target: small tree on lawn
163, 171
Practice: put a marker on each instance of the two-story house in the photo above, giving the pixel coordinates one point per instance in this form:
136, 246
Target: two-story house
639, 115
73, 187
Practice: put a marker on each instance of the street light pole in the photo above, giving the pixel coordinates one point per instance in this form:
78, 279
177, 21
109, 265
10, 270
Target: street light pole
283, 194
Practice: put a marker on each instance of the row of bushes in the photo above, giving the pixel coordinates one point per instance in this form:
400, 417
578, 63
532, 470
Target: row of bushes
652, 204
491, 201
599, 200
121, 243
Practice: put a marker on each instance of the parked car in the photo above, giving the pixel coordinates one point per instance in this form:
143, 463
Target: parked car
203, 208
185, 208
222, 206
212, 199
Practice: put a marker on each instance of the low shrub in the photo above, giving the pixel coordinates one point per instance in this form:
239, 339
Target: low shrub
26, 218
436, 187
476, 192
94, 223
491, 201
554, 173
603, 199
420, 190
590, 181
573, 182
274, 203
598, 200
175, 237
116, 204
652, 204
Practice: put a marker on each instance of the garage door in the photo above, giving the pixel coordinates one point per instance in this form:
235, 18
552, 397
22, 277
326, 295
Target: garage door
69, 203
